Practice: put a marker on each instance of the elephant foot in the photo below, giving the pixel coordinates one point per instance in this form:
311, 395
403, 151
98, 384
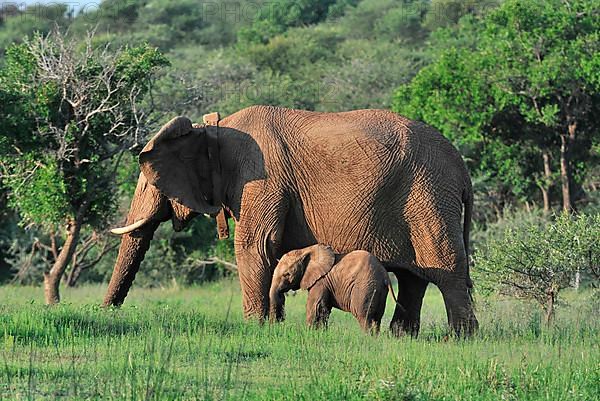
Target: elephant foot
400, 328
256, 312
459, 309
465, 328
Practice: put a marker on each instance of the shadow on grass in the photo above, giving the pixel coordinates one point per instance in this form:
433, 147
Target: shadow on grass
244, 356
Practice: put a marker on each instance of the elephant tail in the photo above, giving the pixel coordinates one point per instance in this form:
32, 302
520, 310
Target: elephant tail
389, 283
468, 202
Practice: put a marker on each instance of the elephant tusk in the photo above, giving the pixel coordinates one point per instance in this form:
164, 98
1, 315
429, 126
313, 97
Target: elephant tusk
131, 227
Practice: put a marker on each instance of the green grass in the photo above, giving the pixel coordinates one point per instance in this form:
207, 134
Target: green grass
184, 344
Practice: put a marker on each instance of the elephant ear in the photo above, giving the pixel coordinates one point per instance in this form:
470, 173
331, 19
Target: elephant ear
176, 162
319, 260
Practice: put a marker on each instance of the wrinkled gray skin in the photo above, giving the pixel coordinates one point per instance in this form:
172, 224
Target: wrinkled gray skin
366, 179
355, 282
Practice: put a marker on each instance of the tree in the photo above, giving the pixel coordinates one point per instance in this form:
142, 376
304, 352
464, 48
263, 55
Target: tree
71, 112
526, 74
275, 18
443, 13
547, 55
537, 262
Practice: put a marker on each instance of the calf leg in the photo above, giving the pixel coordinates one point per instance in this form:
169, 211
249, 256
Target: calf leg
318, 307
372, 311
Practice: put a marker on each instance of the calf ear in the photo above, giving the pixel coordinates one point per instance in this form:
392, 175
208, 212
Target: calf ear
173, 162
319, 260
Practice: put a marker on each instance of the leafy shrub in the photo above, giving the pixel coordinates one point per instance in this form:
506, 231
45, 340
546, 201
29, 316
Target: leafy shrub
275, 18
537, 262
285, 53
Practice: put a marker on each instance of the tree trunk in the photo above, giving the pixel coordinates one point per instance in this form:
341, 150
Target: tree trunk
547, 184
550, 308
52, 277
546, 199
566, 142
577, 280
74, 274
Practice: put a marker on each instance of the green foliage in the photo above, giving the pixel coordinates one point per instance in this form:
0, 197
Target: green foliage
108, 17
403, 22
287, 53
510, 166
373, 68
40, 194
165, 24
318, 67
540, 50
275, 18
446, 95
386, 20
537, 262
137, 64
341, 7
57, 158
443, 13
509, 85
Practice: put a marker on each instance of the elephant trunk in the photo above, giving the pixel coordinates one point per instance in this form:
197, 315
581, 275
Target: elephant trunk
277, 304
131, 253
148, 209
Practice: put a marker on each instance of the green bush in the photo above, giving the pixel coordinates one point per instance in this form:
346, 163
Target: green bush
275, 18
536, 262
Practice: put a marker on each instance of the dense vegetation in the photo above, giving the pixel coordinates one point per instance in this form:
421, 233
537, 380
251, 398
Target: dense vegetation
513, 84
519, 95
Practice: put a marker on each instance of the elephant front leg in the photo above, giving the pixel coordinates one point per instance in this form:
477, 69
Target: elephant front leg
257, 245
407, 315
318, 307
255, 280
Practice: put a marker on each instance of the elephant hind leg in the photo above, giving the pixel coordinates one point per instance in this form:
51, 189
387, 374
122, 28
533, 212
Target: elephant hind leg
443, 259
369, 315
407, 315
459, 307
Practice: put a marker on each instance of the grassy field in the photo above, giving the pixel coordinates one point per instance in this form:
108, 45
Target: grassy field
185, 344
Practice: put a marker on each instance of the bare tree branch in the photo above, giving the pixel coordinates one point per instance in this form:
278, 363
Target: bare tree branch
59, 62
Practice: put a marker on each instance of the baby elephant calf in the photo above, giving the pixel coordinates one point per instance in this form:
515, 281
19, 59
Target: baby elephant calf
355, 282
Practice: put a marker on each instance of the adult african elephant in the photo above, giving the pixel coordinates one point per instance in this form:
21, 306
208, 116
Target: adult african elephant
366, 179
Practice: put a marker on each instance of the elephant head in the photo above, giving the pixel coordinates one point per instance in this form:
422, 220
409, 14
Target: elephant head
300, 268
175, 160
